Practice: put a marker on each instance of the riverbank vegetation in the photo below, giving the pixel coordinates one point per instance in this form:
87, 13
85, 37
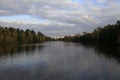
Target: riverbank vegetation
17, 36
109, 34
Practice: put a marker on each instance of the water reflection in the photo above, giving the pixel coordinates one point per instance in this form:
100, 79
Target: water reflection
107, 51
16, 49
18, 54
57, 61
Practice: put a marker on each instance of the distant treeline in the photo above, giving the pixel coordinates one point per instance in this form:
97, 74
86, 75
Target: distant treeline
17, 36
109, 34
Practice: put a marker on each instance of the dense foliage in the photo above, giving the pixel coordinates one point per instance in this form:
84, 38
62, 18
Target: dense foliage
109, 34
15, 36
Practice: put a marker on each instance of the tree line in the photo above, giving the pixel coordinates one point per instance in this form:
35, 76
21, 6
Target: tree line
109, 34
18, 36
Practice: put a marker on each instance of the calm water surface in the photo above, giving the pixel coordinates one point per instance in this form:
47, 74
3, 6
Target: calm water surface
59, 61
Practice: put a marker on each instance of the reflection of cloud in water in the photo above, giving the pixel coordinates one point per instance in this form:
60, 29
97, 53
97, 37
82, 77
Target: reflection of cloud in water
59, 61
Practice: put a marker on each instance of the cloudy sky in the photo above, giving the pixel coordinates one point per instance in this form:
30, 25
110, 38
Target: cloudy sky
59, 17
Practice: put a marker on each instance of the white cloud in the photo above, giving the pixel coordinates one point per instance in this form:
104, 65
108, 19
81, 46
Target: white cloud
101, 1
63, 15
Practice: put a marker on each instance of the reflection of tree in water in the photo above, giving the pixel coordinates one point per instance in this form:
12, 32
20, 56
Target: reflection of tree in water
27, 48
17, 49
108, 51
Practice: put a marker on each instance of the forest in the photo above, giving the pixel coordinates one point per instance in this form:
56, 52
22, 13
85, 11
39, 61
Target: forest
109, 34
10, 35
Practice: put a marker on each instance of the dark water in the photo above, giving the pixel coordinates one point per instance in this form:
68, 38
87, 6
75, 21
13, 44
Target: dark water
59, 61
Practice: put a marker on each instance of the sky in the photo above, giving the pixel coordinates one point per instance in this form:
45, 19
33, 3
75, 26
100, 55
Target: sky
59, 17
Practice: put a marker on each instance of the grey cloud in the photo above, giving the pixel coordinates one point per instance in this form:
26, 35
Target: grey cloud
65, 16
51, 29
22, 6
